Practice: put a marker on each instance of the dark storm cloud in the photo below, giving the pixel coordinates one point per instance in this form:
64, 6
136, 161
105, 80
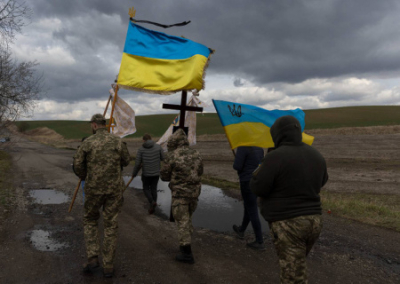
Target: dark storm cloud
260, 41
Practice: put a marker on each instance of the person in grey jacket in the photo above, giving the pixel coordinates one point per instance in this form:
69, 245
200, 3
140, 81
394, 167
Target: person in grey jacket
288, 183
148, 159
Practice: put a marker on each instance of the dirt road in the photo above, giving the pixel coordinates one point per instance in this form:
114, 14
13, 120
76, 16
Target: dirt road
42, 243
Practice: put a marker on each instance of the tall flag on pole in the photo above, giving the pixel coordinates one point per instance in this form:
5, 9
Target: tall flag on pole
160, 63
124, 117
247, 125
190, 121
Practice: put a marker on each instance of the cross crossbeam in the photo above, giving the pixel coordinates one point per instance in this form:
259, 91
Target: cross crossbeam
182, 108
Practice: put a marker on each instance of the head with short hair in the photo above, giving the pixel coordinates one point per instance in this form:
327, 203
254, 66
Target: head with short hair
98, 118
146, 137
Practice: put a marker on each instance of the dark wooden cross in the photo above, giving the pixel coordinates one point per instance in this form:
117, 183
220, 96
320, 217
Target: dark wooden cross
183, 107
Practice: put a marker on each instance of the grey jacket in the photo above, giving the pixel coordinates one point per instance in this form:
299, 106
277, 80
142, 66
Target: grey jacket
148, 159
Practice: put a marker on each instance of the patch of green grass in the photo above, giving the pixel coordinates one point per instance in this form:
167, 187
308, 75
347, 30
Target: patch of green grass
220, 183
5, 184
373, 209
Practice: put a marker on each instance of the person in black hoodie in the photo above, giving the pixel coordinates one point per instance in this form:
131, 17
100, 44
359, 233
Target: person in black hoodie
288, 183
148, 158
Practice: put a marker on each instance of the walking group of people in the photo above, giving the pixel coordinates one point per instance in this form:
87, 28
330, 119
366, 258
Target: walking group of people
287, 182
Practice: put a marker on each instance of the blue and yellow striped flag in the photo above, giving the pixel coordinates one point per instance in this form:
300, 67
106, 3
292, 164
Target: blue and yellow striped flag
247, 125
160, 63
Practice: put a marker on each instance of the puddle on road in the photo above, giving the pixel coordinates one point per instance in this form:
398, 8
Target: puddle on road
215, 210
48, 196
41, 241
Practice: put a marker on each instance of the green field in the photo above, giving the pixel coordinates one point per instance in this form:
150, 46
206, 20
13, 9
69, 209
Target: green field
209, 123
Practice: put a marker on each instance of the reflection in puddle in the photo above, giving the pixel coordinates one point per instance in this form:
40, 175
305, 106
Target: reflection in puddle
215, 210
48, 196
41, 241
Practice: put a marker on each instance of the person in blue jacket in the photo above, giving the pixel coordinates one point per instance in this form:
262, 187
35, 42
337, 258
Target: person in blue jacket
247, 159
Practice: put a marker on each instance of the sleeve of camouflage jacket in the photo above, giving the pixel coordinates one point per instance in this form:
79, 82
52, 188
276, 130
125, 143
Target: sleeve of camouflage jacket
125, 157
80, 162
166, 170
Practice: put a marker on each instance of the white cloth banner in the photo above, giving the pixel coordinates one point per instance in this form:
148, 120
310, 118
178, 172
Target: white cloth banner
190, 121
124, 117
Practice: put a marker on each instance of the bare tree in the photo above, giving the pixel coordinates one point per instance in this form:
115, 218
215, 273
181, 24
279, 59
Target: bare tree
13, 17
20, 85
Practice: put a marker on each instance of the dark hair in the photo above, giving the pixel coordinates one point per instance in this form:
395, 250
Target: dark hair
146, 137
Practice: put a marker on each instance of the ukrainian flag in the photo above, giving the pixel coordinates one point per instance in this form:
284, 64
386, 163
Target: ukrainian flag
247, 125
160, 63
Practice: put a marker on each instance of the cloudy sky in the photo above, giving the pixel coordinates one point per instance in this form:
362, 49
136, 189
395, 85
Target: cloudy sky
276, 54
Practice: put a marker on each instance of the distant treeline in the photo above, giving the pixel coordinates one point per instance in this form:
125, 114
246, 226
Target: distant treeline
209, 123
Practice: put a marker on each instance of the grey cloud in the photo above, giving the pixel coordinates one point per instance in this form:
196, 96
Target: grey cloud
260, 41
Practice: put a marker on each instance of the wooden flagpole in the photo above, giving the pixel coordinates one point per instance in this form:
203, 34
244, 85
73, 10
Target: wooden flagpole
73, 197
112, 108
108, 102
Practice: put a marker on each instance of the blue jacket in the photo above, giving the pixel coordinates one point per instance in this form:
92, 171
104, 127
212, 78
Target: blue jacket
247, 159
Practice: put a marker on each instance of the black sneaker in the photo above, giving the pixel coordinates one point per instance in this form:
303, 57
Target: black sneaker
239, 233
152, 207
108, 272
256, 245
91, 265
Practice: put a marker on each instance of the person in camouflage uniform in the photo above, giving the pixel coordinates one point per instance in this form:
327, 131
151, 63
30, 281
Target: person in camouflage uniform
183, 168
288, 183
99, 161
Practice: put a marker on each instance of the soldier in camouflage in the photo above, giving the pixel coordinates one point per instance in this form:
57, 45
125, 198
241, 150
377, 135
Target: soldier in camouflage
99, 161
183, 168
288, 183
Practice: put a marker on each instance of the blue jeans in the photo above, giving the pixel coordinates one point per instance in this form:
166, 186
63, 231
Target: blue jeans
250, 211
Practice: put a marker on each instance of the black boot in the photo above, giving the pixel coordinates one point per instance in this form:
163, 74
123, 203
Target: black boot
185, 254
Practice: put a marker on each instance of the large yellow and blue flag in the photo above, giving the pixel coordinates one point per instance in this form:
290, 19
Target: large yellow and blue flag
160, 63
247, 125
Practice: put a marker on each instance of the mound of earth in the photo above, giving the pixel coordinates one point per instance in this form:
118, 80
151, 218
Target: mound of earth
44, 133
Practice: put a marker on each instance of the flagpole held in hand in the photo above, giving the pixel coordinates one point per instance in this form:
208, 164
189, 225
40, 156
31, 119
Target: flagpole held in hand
75, 193
129, 182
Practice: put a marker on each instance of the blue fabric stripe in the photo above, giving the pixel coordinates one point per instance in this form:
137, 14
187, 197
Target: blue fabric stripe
233, 113
148, 43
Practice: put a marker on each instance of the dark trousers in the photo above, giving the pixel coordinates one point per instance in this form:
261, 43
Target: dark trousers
250, 210
150, 187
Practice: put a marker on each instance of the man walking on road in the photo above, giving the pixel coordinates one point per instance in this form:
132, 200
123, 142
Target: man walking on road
247, 159
183, 168
99, 161
148, 158
289, 181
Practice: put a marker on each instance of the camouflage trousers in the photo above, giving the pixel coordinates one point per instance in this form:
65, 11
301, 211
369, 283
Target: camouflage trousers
111, 207
182, 210
293, 240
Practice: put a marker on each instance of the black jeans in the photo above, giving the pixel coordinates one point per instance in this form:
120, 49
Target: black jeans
250, 211
150, 187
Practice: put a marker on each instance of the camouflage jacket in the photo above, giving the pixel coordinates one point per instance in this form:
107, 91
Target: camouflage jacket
183, 167
99, 161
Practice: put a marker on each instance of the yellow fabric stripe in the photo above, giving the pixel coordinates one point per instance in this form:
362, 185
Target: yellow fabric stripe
254, 134
162, 74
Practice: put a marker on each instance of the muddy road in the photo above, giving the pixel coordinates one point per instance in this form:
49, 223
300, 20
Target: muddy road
40, 242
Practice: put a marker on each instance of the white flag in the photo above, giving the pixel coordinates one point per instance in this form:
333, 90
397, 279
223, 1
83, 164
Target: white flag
190, 121
124, 117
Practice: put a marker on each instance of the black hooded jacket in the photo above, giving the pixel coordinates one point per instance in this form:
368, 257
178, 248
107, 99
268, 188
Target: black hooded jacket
291, 176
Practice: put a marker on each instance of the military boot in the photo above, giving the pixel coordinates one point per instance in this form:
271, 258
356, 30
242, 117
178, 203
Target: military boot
185, 254
91, 264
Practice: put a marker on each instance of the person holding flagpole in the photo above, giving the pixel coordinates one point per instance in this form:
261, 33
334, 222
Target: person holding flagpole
99, 161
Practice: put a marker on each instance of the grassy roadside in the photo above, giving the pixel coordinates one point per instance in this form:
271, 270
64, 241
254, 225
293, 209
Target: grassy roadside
372, 209
5, 181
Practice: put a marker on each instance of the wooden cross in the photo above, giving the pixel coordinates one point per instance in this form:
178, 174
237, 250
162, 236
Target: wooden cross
182, 108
